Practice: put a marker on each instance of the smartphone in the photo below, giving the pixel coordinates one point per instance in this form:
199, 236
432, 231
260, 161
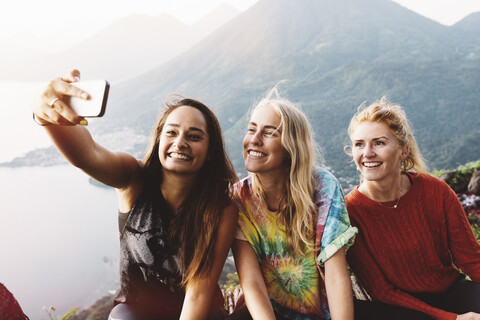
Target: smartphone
96, 105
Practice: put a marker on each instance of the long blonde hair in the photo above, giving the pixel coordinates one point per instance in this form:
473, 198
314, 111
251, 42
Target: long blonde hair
296, 211
395, 118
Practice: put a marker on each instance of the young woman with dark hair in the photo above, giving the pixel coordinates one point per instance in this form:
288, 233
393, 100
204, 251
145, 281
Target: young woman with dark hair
176, 218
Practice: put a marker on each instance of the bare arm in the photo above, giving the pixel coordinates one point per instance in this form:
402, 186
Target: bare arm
339, 287
199, 296
116, 169
251, 280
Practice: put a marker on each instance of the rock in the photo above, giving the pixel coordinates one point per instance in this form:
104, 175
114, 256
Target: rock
457, 180
9, 307
474, 184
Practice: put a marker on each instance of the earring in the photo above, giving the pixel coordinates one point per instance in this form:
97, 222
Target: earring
403, 164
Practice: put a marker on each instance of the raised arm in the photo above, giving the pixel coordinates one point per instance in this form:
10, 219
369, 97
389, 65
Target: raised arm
199, 296
251, 280
338, 286
69, 134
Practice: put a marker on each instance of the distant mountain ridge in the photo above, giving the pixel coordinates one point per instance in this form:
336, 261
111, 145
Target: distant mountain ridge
128, 47
333, 55
469, 23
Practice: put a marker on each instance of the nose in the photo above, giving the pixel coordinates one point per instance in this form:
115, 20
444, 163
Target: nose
256, 139
180, 142
369, 152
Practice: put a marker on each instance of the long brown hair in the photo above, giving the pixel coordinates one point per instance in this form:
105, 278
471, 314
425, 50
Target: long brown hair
197, 219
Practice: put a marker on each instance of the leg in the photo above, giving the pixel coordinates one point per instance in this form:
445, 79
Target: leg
463, 296
375, 310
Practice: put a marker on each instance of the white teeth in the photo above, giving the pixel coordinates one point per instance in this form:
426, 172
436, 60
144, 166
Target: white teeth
256, 154
371, 164
179, 156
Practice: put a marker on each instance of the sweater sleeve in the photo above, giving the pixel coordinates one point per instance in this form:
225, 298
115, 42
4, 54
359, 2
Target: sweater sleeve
378, 286
463, 245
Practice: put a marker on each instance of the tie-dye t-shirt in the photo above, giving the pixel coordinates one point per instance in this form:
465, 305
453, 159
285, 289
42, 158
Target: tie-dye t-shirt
294, 285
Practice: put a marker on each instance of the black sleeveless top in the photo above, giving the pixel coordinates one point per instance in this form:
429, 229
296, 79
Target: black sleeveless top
149, 263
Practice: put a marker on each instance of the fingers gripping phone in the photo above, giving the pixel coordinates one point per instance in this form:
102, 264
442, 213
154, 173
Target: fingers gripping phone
96, 105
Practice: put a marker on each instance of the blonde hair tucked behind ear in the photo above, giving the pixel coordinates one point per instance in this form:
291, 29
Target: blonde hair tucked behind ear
395, 118
297, 208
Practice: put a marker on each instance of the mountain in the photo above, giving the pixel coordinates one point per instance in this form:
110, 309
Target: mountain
213, 20
131, 46
329, 55
334, 55
469, 23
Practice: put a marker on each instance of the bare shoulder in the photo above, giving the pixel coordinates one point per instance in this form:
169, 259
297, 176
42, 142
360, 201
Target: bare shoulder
130, 191
229, 213
228, 221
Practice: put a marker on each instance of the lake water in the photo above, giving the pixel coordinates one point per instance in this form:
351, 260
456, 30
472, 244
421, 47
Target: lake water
18, 133
58, 238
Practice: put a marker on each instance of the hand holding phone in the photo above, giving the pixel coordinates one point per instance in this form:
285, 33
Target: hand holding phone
96, 105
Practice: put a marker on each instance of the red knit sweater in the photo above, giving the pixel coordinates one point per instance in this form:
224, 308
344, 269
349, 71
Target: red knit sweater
410, 248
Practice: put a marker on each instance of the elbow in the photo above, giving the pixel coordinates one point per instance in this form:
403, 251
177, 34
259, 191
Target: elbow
251, 287
195, 297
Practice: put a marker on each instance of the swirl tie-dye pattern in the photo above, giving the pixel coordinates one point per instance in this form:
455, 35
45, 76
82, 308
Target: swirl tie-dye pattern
293, 283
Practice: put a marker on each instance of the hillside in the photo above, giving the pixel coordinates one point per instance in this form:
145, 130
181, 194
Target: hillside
334, 55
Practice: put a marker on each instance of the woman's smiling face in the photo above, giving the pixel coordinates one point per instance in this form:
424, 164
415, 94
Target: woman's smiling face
263, 151
184, 141
376, 151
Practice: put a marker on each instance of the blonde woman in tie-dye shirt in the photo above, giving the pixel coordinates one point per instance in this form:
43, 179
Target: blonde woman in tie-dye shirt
293, 227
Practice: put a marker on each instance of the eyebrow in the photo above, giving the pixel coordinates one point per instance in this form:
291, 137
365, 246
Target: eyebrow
190, 128
267, 126
374, 139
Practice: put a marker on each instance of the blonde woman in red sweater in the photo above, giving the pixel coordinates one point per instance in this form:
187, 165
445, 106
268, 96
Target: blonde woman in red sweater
413, 233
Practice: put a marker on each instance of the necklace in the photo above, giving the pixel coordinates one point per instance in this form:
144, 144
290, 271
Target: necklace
394, 206
398, 198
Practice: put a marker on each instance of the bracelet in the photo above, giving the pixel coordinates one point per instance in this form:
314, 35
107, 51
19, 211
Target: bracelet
35, 119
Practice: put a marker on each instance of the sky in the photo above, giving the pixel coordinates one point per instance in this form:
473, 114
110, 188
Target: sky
70, 22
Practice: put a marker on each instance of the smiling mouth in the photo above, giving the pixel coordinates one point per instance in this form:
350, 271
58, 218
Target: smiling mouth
256, 154
371, 164
179, 156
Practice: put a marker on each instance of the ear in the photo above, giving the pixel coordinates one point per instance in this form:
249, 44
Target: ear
405, 152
